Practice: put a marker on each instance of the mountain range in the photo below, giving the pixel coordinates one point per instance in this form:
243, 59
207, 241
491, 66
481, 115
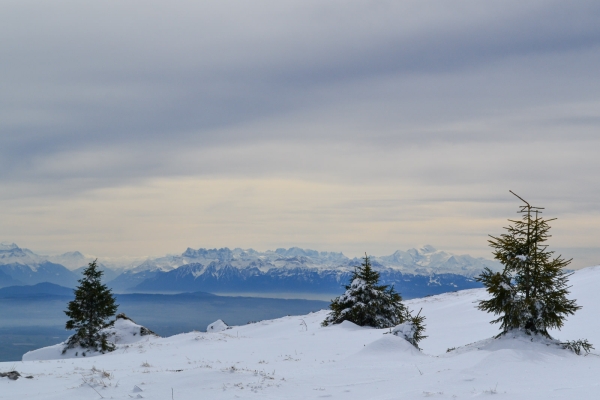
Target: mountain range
414, 273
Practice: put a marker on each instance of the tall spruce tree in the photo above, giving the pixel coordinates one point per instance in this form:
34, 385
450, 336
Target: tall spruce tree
530, 294
93, 304
366, 302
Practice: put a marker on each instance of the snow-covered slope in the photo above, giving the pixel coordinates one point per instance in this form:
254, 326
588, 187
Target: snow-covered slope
295, 358
122, 332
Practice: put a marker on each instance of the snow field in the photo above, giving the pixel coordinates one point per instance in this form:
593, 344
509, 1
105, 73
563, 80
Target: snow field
295, 358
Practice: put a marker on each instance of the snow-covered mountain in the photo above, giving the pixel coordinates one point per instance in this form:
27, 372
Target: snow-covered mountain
416, 272
72, 260
20, 266
296, 358
223, 277
108, 273
424, 261
427, 260
38, 273
23, 267
10, 253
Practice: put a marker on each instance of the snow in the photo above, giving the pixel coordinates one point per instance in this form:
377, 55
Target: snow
217, 326
296, 358
123, 333
405, 330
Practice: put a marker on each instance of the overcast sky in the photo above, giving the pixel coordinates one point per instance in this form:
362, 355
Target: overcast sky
132, 128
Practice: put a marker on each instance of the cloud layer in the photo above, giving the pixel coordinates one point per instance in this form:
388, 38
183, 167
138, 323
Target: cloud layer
360, 110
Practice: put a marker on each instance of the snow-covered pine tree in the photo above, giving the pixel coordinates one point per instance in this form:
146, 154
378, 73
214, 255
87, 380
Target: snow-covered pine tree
93, 304
530, 294
366, 302
412, 329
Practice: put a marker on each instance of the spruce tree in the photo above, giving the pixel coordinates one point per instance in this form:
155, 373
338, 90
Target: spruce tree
366, 302
93, 304
530, 294
412, 329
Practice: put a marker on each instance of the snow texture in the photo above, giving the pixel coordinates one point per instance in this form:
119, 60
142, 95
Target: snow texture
295, 358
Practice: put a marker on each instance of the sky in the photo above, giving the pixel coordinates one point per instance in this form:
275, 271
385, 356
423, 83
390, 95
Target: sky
141, 128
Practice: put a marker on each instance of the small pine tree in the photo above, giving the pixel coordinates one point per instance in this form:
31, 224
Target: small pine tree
530, 293
366, 302
93, 304
412, 329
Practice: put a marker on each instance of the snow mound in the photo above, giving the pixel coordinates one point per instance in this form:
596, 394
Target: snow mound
517, 345
47, 353
518, 341
351, 326
122, 332
217, 326
390, 345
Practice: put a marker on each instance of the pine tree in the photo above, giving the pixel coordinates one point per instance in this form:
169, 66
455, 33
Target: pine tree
93, 304
412, 329
366, 302
530, 293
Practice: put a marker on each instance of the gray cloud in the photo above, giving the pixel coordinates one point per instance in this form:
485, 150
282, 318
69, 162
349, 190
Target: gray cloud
460, 100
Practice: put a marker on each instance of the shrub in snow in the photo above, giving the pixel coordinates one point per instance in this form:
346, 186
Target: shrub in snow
530, 294
576, 346
366, 302
412, 330
93, 304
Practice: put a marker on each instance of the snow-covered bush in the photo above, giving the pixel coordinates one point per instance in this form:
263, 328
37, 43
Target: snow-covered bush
412, 329
366, 302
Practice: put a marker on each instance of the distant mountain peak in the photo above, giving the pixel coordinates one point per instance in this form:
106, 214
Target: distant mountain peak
8, 246
12, 253
427, 249
74, 254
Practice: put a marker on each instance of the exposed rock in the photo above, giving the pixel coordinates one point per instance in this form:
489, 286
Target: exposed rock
12, 375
